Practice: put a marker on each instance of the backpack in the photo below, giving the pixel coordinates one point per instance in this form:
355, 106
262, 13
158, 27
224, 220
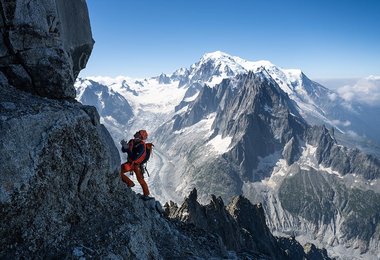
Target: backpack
148, 152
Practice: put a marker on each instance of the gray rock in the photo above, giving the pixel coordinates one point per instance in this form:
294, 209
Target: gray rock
8, 105
164, 79
340, 158
44, 45
252, 218
291, 151
50, 151
205, 104
61, 195
106, 101
321, 197
170, 208
159, 208
241, 227
314, 253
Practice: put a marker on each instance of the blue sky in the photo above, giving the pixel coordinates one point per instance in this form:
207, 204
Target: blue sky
326, 39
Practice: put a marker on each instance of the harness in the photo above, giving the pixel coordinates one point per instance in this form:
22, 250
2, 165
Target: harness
144, 169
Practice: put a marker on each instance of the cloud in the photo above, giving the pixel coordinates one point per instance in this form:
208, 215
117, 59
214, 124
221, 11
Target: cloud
341, 123
353, 134
332, 96
365, 91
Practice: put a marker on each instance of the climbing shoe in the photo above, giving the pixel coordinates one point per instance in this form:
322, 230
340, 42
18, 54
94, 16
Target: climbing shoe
146, 198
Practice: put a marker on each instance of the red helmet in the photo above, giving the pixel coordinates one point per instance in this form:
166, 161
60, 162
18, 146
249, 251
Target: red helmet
143, 134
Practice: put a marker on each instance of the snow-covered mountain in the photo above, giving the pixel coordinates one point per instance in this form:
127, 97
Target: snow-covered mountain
356, 123
229, 126
114, 110
127, 105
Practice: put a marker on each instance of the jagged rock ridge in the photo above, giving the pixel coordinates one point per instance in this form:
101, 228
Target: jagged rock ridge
242, 228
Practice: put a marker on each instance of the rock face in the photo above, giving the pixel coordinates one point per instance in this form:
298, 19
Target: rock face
44, 44
340, 158
241, 227
50, 151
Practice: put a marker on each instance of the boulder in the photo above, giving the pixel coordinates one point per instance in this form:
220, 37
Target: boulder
44, 44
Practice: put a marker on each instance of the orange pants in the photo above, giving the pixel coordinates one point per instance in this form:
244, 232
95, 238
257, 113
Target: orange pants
127, 167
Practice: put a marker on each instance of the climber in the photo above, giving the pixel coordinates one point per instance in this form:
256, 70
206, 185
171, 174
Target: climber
138, 154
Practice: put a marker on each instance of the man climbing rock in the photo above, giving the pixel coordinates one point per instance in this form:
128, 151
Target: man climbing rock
138, 153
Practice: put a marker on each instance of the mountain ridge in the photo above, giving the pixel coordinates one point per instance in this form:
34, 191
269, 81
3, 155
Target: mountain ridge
251, 133
314, 101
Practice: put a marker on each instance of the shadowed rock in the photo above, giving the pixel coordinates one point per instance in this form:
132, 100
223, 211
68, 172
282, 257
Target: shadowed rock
44, 44
340, 158
241, 227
